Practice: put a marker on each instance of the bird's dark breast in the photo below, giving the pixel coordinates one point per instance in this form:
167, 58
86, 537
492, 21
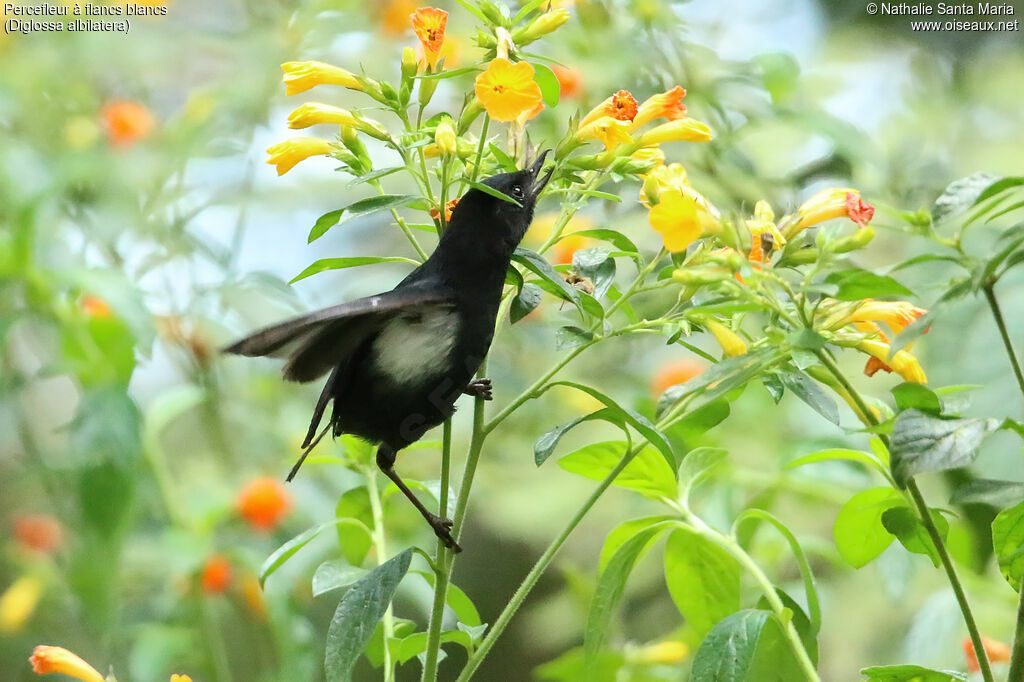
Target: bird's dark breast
405, 379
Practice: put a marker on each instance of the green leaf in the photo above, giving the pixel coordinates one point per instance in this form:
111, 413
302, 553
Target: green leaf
910, 673
997, 187
355, 540
917, 397
457, 601
746, 646
647, 473
325, 264
359, 208
357, 615
525, 302
701, 420
703, 579
808, 390
858, 530
613, 237
550, 280
697, 465
626, 530
544, 446
625, 415
413, 645
989, 491
801, 622
908, 529
596, 265
838, 453
961, 194
610, 585
330, 575
548, 82
857, 284
288, 549
921, 443
571, 336
1008, 543
721, 377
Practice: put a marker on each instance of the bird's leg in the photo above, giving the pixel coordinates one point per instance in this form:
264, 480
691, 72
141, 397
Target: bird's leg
479, 388
442, 527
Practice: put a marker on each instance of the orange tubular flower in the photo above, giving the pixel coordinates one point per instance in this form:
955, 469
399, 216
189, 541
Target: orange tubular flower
216, 575
263, 503
668, 104
507, 90
997, 652
449, 208
55, 659
834, 202
127, 122
674, 374
675, 219
286, 154
897, 314
621, 106
429, 23
301, 76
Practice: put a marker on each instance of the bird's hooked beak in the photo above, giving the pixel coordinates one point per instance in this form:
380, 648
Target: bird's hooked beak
538, 185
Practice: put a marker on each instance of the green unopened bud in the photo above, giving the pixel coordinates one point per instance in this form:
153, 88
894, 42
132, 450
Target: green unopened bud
587, 162
698, 276
801, 257
350, 138
858, 240
445, 138
427, 88
470, 112
409, 64
485, 39
541, 26
372, 128
726, 258
496, 12
651, 189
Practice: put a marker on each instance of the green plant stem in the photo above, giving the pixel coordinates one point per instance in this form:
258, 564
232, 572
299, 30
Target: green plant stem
926, 519
480, 148
729, 544
379, 540
401, 223
215, 642
442, 560
1017, 655
997, 313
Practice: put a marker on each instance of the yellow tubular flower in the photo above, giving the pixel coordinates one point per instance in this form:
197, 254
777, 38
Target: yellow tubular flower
18, 602
55, 659
650, 154
312, 113
683, 129
668, 104
731, 343
897, 314
834, 202
610, 131
301, 76
286, 154
902, 362
763, 224
675, 219
507, 90
180, 678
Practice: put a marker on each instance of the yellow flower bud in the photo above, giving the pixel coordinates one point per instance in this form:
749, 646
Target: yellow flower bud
18, 602
409, 63
445, 138
731, 343
684, 129
286, 154
541, 26
55, 659
301, 76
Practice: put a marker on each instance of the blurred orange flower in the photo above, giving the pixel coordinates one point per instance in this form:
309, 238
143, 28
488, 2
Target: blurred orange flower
54, 659
127, 122
567, 246
507, 90
570, 81
263, 502
394, 16
997, 652
286, 154
668, 104
675, 219
38, 532
94, 306
621, 106
216, 575
674, 373
429, 24
252, 593
448, 208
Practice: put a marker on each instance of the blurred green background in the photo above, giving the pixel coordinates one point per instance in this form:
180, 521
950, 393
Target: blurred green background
140, 230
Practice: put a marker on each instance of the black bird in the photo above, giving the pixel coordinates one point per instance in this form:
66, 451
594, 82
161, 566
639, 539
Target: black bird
399, 360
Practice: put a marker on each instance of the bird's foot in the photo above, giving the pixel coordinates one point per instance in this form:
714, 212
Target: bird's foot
479, 388
443, 529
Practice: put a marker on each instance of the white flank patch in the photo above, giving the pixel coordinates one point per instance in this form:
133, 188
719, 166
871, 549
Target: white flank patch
409, 349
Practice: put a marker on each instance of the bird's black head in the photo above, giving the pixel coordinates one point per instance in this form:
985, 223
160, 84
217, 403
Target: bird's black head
505, 221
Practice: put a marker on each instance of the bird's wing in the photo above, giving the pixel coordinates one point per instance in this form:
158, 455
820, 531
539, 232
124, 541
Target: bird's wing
319, 341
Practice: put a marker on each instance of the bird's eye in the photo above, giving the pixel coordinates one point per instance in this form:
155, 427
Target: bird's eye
517, 191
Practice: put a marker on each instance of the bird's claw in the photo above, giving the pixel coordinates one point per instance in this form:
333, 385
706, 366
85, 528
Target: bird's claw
479, 388
443, 529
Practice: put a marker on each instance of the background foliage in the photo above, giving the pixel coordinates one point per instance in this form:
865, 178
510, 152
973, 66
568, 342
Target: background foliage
136, 241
